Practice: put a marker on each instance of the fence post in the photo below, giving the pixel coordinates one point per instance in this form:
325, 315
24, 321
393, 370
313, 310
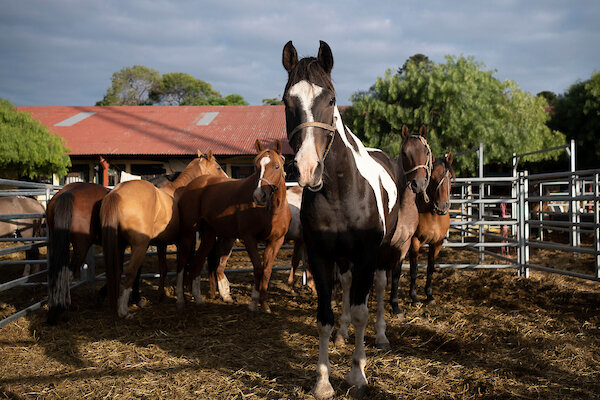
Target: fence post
522, 256
481, 205
597, 226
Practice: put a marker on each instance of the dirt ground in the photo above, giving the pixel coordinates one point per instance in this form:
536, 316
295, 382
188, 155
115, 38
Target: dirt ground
491, 335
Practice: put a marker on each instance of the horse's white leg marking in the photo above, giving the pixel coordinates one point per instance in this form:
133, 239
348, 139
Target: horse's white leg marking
196, 290
179, 289
224, 291
360, 317
371, 170
123, 302
345, 319
27, 270
307, 157
323, 388
255, 298
380, 283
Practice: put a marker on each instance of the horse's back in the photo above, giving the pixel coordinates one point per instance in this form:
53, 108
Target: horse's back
20, 205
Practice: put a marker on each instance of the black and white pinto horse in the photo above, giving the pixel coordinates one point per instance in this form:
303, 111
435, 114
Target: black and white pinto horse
350, 209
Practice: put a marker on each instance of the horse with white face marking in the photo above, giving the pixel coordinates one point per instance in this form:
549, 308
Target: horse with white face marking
350, 205
252, 209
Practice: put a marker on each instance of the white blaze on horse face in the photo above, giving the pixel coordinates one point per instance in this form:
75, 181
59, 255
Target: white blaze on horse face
263, 164
307, 157
371, 170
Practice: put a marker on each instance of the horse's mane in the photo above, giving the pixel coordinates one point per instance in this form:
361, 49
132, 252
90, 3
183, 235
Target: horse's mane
447, 166
310, 69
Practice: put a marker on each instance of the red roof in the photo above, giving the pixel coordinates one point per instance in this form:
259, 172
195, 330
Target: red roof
164, 130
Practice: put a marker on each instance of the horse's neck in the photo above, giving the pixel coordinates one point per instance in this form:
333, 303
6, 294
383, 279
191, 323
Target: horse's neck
182, 180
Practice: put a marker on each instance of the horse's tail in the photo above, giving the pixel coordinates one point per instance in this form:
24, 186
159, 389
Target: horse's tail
111, 247
59, 274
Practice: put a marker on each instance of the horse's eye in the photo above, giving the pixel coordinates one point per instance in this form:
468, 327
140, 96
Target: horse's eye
277, 167
332, 101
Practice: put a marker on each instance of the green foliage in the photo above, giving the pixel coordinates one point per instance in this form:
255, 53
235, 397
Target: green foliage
131, 86
461, 104
139, 85
577, 113
275, 101
26, 146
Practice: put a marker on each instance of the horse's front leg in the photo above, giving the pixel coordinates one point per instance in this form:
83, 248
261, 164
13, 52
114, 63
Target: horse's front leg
345, 319
323, 277
222, 252
381, 339
185, 251
252, 249
206, 244
271, 250
434, 251
414, 266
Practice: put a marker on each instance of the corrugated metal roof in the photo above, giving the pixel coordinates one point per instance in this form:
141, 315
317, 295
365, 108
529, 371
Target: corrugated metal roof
164, 130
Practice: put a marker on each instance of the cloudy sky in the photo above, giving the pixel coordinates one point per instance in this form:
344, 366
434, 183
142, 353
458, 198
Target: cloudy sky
63, 52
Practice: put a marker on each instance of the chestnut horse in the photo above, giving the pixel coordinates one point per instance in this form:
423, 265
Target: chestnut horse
434, 222
252, 209
139, 214
73, 218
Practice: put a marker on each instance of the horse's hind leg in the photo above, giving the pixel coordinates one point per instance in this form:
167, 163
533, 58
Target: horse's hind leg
161, 249
394, 301
381, 339
206, 244
345, 319
271, 250
138, 252
296, 256
434, 250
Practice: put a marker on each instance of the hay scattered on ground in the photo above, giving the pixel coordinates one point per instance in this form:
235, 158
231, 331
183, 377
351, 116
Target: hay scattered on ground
491, 335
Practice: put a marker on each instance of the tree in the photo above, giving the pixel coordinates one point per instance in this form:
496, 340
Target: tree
26, 146
461, 104
178, 89
140, 85
131, 86
275, 101
577, 113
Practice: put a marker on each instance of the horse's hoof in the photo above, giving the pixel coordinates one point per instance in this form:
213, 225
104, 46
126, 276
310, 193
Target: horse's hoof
339, 340
252, 306
267, 309
396, 310
142, 303
358, 392
228, 299
430, 302
384, 346
323, 390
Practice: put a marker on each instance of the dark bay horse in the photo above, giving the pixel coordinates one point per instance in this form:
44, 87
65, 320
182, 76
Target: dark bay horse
349, 206
73, 218
252, 209
414, 170
22, 227
434, 222
139, 214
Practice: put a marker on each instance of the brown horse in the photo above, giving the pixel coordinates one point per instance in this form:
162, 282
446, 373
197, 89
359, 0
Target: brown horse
73, 218
22, 227
252, 209
434, 222
139, 214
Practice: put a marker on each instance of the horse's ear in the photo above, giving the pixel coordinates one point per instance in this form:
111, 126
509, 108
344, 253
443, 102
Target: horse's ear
325, 57
404, 132
199, 154
258, 146
209, 155
423, 131
449, 157
278, 146
290, 57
